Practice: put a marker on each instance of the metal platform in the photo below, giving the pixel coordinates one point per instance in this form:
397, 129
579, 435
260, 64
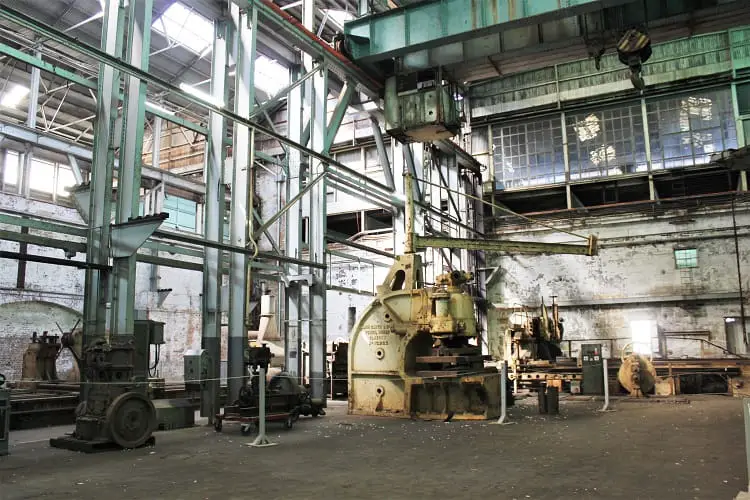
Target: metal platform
73, 444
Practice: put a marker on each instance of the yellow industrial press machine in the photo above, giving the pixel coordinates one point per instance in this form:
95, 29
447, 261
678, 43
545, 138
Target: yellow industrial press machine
414, 351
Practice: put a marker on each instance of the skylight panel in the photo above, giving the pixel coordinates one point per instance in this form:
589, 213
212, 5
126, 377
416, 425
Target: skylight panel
181, 25
270, 76
13, 96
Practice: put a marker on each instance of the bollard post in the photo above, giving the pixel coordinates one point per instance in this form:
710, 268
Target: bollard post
606, 384
503, 420
262, 440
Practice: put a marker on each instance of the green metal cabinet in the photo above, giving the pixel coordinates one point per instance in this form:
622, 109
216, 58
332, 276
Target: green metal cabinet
421, 114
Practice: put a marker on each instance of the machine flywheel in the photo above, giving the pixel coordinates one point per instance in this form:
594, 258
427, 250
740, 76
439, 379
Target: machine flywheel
131, 419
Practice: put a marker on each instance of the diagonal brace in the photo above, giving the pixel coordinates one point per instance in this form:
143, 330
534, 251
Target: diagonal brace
288, 205
345, 97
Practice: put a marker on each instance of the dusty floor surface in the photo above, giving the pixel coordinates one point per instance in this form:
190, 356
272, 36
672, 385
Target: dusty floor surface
662, 451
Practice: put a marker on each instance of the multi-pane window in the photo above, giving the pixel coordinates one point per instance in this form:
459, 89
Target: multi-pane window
352, 159
686, 258
606, 142
686, 130
42, 177
47, 179
529, 153
372, 158
11, 168
182, 213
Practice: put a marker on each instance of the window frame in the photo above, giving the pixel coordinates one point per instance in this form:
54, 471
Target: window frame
684, 261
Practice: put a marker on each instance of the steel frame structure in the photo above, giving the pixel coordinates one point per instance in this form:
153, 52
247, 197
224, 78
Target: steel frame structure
112, 249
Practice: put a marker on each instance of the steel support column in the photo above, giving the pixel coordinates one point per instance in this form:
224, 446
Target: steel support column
317, 223
129, 173
213, 217
241, 206
292, 292
97, 247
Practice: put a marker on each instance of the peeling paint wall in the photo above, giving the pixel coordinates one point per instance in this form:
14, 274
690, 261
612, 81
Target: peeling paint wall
55, 293
634, 277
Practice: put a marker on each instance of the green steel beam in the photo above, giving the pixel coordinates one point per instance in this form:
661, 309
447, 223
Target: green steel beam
438, 23
116, 63
522, 247
338, 114
42, 225
38, 62
43, 241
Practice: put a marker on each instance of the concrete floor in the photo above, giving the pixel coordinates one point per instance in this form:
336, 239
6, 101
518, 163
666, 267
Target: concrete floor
657, 450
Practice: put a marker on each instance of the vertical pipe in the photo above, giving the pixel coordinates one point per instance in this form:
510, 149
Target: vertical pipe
213, 215
739, 272
156, 142
398, 219
409, 209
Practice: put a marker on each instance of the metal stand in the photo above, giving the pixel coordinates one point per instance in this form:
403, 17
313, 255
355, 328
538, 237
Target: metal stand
606, 387
262, 440
503, 420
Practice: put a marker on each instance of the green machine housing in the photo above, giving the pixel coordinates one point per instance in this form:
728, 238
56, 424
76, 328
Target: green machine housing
422, 107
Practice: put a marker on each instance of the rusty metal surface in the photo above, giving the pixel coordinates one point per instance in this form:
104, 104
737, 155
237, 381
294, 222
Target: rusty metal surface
412, 352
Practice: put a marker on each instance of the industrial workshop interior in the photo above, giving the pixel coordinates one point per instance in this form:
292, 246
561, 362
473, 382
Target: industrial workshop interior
374, 249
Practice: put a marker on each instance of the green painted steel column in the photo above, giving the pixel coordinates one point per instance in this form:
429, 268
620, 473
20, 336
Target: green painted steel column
131, 154
213, 216
292, 327
318, 98
102, 165
244, 24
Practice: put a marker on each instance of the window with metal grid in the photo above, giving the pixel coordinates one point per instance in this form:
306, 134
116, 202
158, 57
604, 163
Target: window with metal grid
606, 142
529, 153
686, 258
182, 213
686, 130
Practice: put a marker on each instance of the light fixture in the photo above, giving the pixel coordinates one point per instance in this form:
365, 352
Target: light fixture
13, 96
208, 98
729, 320
369, 106
156, 107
